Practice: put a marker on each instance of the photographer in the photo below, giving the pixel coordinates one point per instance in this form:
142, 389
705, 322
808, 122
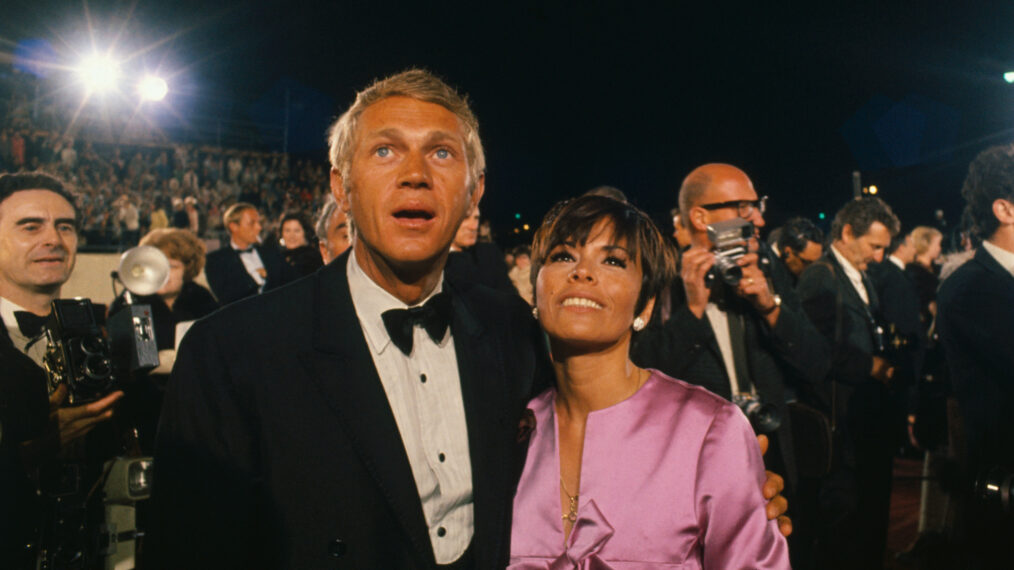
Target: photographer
842, 303
976, 325
38, 243
742, 340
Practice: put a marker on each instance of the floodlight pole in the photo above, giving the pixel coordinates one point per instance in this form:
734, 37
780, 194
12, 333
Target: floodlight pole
857, 184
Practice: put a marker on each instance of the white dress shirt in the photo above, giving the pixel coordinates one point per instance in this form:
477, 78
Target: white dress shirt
424, 391
35, 350
252, 262
1001, 255
855, 277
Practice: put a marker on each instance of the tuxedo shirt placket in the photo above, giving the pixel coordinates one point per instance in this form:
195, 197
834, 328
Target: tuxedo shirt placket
424, 392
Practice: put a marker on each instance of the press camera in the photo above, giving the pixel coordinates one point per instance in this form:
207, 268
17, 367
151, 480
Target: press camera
764, 418
730, 241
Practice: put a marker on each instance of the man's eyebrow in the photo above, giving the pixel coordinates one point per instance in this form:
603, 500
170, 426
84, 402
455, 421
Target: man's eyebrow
29, 220
389, 132
441, 136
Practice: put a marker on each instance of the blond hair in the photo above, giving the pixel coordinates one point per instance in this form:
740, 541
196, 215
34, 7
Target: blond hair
417, 84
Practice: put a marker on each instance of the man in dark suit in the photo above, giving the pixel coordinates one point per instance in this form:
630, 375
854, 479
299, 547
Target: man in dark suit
842, 303
244, 267
38, 246
751, 339
479, 262
329, 433
976, 324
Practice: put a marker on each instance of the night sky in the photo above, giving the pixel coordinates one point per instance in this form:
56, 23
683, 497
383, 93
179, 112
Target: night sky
634, 95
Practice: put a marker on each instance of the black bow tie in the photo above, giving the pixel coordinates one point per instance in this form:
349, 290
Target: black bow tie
31, 325
247, 250
434, 316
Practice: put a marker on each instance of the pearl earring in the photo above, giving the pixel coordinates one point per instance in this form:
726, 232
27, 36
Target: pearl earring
638, 324
535, 312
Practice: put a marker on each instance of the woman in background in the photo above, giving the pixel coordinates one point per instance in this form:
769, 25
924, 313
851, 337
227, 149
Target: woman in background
179, 300
296, 235
626, 467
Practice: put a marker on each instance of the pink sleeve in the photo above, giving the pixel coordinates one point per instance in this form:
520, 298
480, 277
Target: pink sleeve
728, 498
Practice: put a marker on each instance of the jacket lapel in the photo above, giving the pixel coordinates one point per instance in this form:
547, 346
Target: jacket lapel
481, 371
342, 367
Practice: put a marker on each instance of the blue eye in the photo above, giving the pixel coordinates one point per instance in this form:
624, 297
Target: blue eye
443, 153
383, 152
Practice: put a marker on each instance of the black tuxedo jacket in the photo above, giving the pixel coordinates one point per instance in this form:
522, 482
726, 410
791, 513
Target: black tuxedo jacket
976, 324
24, 412
899, 305
791, 354
482, 263
277, 446
229, 279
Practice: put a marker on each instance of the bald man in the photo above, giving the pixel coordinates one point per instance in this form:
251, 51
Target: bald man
751, 339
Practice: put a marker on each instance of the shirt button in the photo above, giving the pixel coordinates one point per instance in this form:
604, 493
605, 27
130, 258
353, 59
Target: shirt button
422, 378
441, 457
441, 531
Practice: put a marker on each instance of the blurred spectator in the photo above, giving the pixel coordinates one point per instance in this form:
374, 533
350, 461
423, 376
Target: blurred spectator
478, 262
297, 248
975, 324
129, 219
799, 244
244, 267
521, 273
923, 272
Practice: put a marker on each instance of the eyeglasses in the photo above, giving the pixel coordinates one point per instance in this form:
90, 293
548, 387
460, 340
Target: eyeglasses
743, 207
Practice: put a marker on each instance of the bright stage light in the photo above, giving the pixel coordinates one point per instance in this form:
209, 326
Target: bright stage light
153, 88
99, 73
1009, 77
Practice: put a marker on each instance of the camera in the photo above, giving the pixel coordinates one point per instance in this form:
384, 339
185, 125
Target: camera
764, 418
891, 343
77, 353
730, 241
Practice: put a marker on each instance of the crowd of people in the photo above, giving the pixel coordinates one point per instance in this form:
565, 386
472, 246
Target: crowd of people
618, 426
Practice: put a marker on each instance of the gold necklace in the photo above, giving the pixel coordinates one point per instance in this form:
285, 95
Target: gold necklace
571, 514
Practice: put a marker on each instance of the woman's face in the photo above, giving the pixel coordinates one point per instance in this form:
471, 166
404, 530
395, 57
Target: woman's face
172, 287
587, 294
292, 234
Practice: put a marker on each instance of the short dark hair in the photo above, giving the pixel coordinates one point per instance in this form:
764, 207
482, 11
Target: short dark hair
303, 222
861, 213
797, 232
990, 178
573, 220
20, 181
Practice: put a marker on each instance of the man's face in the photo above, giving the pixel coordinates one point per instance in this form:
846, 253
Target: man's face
862, 250
246, 231
338, 238
468, 231
408, 183
797, 262
38, 241
730, 189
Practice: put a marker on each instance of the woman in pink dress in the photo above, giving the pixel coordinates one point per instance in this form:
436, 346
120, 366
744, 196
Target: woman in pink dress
626, 467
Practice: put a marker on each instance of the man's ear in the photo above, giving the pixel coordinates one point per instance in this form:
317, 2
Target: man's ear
1004, 211
698, 219
847, 235
338, 190
477, 192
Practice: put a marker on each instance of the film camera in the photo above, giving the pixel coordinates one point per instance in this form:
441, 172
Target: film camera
731, 241
764, 418
79, 353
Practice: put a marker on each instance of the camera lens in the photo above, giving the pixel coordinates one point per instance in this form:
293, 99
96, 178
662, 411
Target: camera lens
92, 345
96, 367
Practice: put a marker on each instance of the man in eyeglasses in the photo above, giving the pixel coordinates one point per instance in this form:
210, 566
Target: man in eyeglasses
799, 244
744, 341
